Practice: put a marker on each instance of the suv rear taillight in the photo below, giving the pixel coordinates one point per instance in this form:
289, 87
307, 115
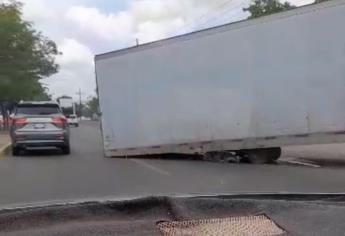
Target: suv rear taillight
59, 119
20, 120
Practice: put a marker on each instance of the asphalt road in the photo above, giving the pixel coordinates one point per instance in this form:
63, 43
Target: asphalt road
85, 174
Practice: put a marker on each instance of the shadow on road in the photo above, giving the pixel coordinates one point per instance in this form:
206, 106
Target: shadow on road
42, 153
191, 157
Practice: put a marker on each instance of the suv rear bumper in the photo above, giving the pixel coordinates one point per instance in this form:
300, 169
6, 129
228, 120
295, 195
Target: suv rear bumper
40, 143
42, 139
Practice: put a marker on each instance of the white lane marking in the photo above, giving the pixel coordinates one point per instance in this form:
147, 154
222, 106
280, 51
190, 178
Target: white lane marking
301, 163
151, 167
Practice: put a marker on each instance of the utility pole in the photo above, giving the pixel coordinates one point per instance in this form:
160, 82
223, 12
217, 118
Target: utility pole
137, 41
80, 108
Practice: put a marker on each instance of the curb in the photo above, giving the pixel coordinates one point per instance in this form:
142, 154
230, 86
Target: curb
4, 149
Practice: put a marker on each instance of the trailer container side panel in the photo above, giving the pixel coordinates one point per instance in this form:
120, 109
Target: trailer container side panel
275, 76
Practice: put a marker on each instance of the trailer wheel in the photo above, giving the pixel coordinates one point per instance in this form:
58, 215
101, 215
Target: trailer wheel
261, 156
275, 153
225, 156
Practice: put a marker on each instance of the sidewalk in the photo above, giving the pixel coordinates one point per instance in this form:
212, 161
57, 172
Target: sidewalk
4, 142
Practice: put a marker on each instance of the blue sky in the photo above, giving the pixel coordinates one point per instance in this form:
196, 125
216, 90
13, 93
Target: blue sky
109, 6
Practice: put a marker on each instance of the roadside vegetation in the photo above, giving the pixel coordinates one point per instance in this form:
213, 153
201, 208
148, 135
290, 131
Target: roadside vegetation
26, 57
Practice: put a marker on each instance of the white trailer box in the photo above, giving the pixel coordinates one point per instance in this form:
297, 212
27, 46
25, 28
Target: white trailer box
67, 105
268, 82
66, 102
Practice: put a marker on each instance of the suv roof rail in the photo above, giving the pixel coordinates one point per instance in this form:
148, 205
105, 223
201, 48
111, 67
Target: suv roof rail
39, 102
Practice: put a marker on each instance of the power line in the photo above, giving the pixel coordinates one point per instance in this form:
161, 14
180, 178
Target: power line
219, 6
219, 13
241, 5
238, 6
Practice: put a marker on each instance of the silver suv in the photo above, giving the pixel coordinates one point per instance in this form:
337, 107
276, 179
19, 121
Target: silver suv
39, 125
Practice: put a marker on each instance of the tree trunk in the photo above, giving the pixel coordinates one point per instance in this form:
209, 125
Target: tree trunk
2, 114
3, 110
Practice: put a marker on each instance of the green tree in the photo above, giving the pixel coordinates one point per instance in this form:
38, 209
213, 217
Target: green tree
260, 8
83, 111
92, 104
89, 107
26, 56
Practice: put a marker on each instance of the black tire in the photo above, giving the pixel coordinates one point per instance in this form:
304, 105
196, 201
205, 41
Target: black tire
274, 153
15, 151
76, 125
261, 156
66, 150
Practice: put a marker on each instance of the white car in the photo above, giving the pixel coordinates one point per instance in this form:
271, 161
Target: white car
73, 120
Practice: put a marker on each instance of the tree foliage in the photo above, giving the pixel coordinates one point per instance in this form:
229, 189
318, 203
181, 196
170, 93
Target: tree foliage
92, 104
26, 56
89, 108
260, 8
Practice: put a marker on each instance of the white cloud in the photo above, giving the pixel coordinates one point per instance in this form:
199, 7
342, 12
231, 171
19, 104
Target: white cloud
157, 10
144, 19
75, 54
90, 22
151, 30
38, 11
77, 70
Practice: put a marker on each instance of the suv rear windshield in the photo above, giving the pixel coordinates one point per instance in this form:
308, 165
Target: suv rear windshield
39, 109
